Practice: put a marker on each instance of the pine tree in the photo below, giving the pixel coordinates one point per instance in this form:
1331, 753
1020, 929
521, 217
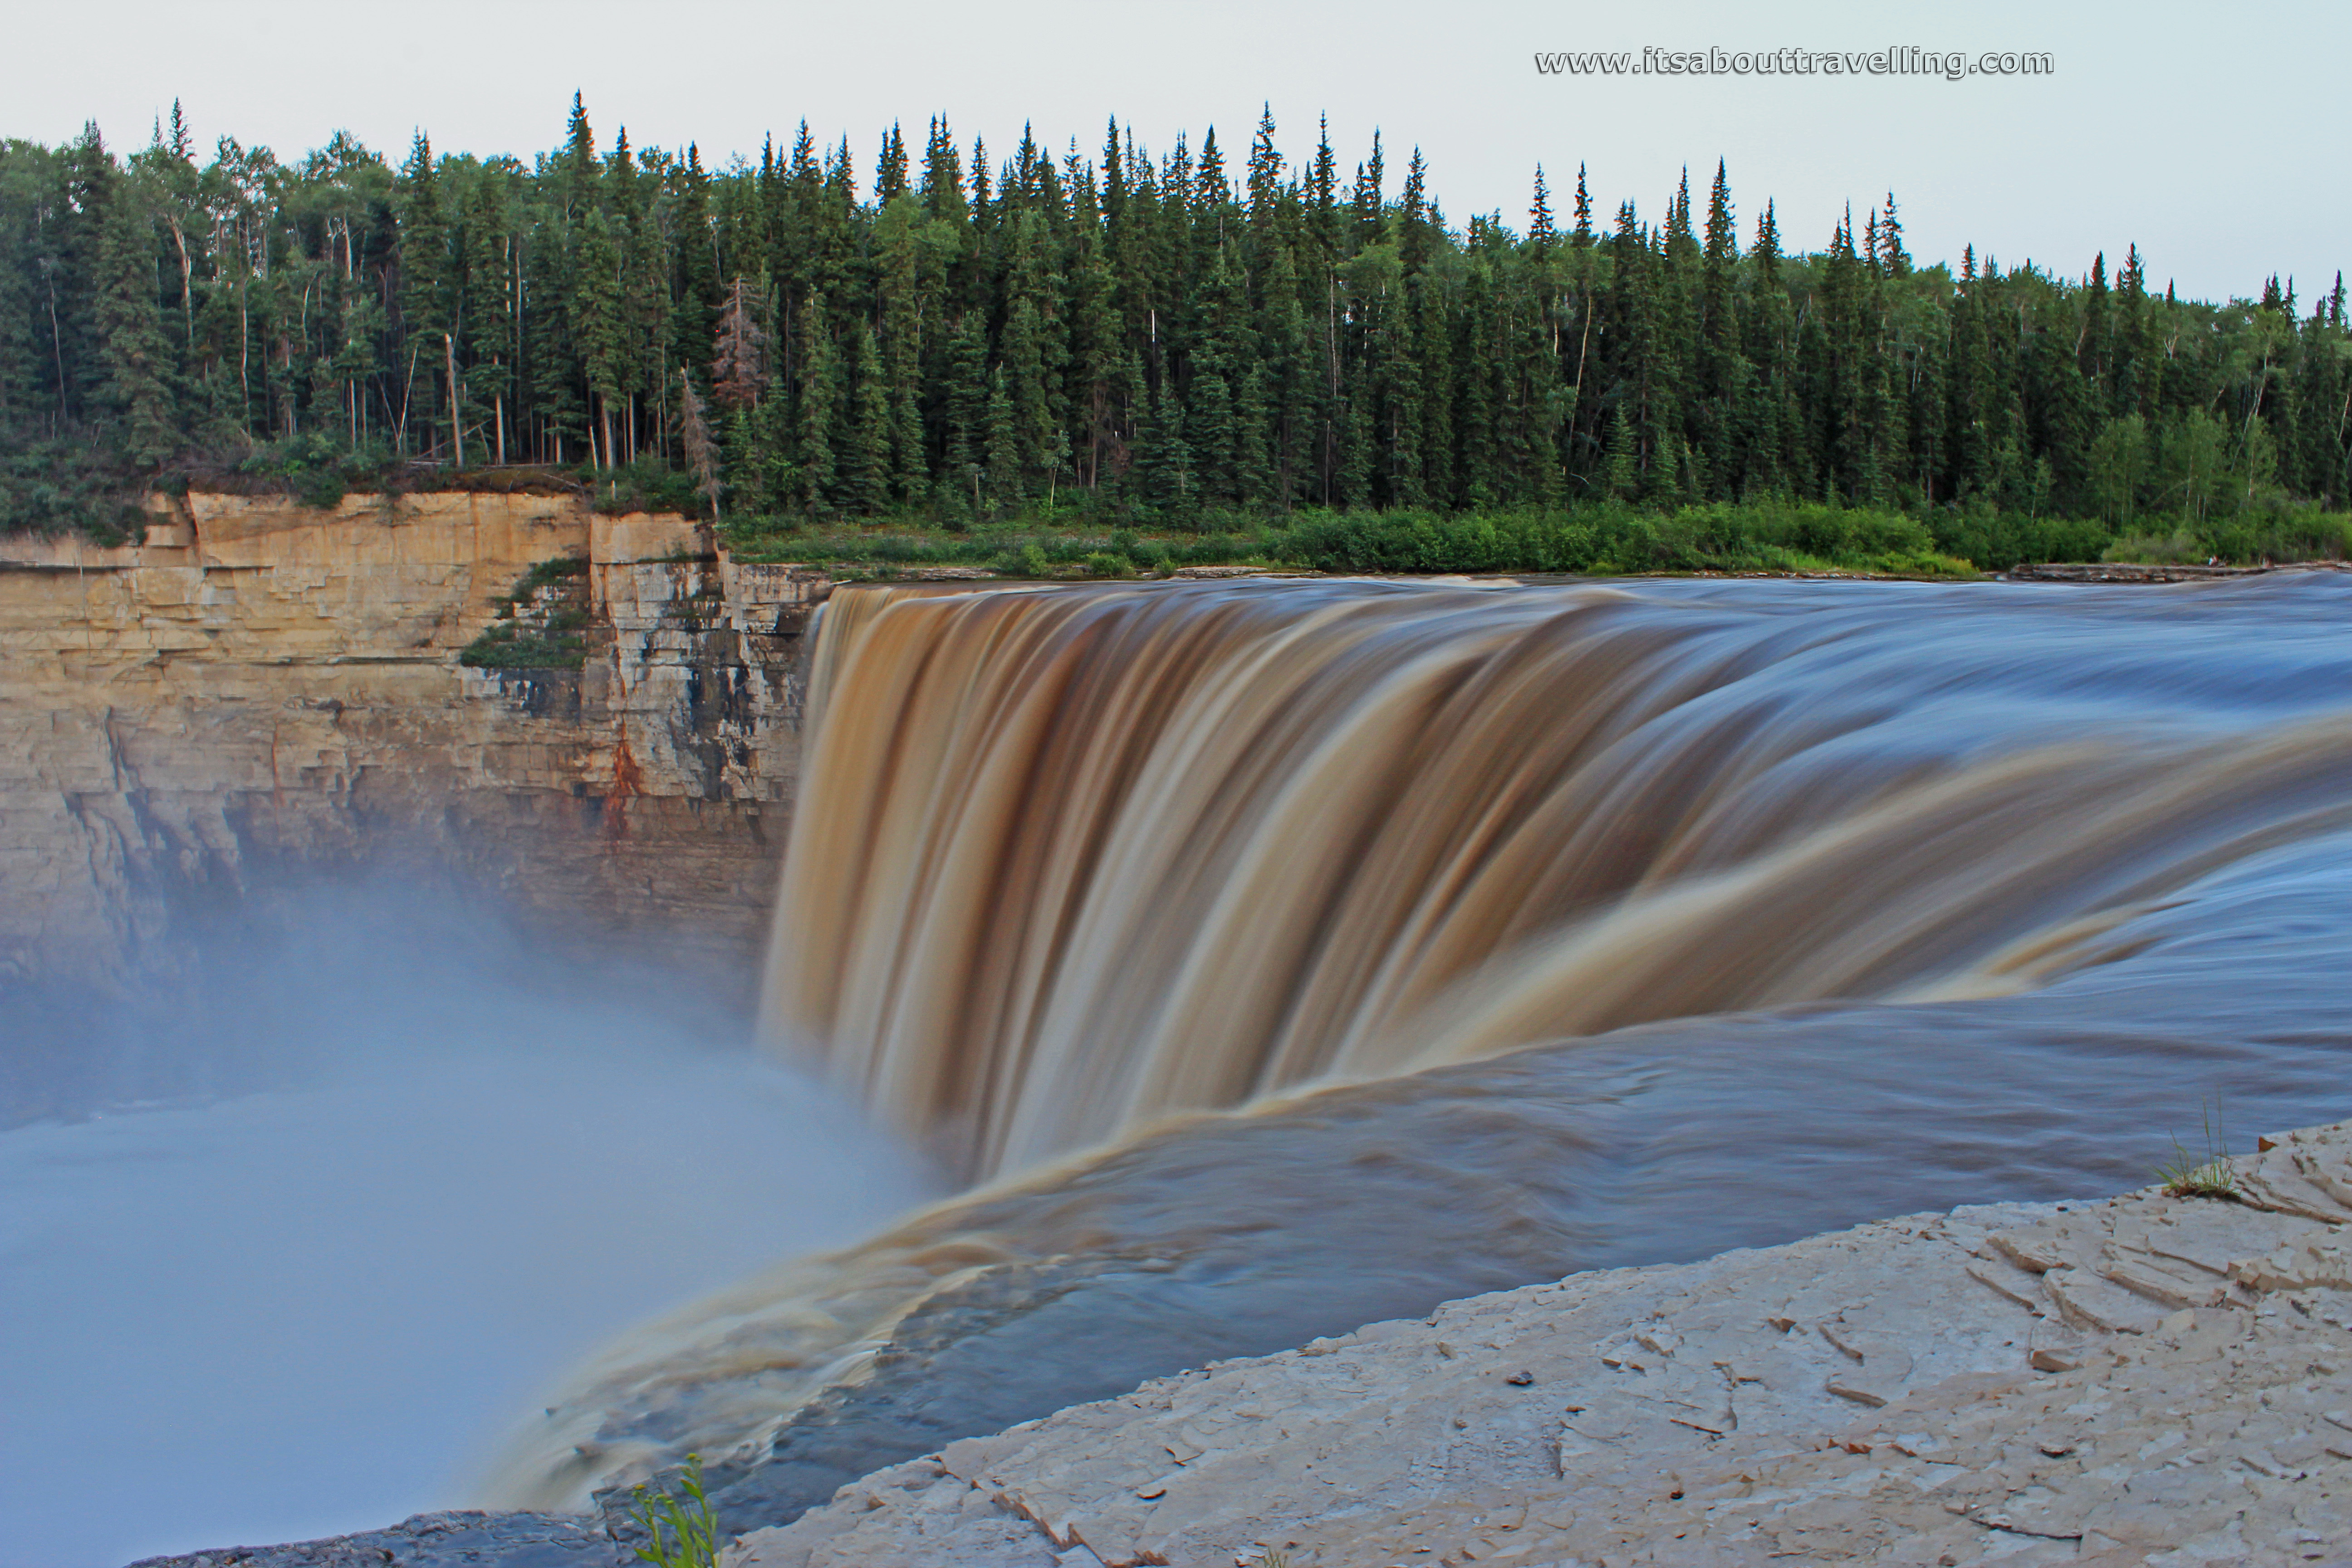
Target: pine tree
1896, 259
135, 352
695, 238
1622, 480
1719, 369
597, 308
582, 170
428, 276
1370, 203
867, 474
1539, 228
1002, 475
1265, 174
890, 173
819, 396
487, 311
1322, 195
1166, 454
967, 415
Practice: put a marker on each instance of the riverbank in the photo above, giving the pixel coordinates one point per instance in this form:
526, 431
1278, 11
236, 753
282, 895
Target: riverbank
2144, 1379
2141, 1380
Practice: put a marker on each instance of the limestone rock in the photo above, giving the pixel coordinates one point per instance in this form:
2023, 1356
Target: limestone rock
2147, 1380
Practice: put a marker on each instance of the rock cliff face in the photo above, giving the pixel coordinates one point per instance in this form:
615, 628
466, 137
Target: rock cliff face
261, 689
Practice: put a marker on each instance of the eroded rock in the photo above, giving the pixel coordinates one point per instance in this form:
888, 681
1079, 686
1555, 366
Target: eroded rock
2151, 1379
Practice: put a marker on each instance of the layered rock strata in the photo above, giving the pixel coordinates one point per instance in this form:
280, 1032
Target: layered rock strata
2150, 1379
259, 687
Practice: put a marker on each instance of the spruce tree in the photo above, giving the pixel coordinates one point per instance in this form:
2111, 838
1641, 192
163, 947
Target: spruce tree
1004, 479
491, 285
818, 397
1539, 226
967, 415
135, 350
867, 473
598, 309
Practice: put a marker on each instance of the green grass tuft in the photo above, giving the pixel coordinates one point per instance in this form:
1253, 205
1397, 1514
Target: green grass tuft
685, 1529
2206, 1175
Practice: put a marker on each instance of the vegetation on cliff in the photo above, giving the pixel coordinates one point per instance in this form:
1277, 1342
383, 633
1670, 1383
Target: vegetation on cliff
1162, 343
541, 623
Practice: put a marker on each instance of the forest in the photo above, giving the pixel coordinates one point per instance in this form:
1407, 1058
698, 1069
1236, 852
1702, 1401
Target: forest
1153, 344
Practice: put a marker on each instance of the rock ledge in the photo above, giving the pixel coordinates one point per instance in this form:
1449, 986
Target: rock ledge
2142, 1380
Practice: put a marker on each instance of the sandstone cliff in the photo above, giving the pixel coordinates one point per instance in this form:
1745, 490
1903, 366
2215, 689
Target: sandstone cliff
259, 687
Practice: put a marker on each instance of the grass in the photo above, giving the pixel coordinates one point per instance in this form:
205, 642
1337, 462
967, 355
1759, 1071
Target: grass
685, 1531
2207, 1176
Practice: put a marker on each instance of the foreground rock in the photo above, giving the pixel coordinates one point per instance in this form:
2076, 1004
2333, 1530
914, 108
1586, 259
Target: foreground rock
2148, 1379
453, 1539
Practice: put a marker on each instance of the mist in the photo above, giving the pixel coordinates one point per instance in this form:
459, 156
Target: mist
309, 1220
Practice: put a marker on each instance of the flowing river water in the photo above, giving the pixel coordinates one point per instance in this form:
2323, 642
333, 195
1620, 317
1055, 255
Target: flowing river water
1279, 957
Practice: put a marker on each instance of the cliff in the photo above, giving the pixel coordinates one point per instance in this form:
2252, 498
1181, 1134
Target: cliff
259, 689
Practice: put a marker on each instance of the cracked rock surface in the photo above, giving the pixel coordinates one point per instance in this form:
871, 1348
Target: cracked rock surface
2145, 1380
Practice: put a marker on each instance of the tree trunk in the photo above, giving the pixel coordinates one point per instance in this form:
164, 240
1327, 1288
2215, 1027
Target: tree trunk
244, 353
457, 406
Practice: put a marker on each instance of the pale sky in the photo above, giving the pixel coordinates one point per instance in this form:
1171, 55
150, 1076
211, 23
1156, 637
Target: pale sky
2212, 135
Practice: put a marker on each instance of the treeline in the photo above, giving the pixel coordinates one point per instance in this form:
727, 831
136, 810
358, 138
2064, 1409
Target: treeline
1153, 339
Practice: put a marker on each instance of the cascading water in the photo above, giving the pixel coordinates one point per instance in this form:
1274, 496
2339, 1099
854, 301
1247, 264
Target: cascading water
1291, 955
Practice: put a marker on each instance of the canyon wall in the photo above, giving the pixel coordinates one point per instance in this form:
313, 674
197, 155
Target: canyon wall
260, 691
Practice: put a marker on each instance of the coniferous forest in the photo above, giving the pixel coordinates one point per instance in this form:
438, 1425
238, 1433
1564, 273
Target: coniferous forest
937, 338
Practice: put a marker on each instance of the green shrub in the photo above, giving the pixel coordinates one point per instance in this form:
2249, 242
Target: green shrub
547, 572
510, 644
554, 638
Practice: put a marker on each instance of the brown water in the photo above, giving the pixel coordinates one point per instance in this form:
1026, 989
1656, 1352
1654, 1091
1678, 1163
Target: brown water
1292, 955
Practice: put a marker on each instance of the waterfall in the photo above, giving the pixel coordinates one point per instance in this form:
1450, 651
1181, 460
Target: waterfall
1068, 862
1276, 957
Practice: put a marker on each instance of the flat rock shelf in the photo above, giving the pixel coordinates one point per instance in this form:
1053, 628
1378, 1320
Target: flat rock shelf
2145, 1379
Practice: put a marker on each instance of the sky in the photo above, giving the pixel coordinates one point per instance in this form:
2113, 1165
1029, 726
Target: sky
2210, 135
